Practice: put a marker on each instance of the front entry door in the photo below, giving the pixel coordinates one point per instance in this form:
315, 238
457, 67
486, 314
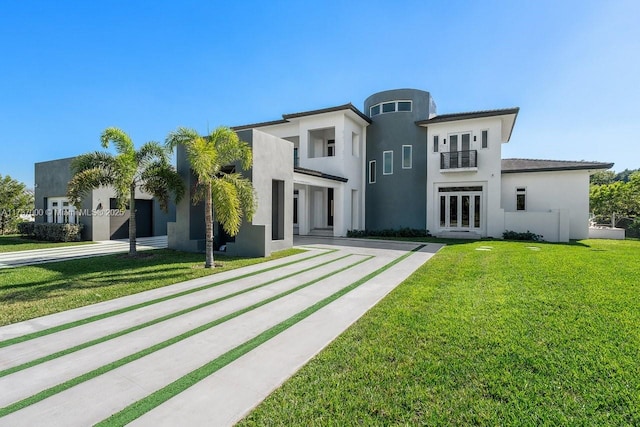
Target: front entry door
460, 209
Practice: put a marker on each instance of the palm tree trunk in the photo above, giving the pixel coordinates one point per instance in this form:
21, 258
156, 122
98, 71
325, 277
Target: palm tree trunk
208, 220
132, 220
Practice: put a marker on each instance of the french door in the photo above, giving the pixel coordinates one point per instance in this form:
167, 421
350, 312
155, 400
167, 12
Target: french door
460, 208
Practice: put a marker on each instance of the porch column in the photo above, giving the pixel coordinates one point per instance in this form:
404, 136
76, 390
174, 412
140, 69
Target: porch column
339, 212
303, 211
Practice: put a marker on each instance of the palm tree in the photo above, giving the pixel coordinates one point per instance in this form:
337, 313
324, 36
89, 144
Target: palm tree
227, 192
148, 169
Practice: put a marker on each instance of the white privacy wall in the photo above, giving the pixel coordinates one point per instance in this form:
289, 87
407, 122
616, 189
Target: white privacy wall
563, 195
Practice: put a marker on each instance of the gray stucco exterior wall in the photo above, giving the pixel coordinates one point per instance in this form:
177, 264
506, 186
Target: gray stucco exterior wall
272, 160
52, 178
399, 199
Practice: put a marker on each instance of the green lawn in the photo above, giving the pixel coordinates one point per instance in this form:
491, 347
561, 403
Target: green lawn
12, 243
33, 291
486, 333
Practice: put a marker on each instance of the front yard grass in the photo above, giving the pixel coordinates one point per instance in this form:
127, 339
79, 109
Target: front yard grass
14, 242
486, 333
33, 291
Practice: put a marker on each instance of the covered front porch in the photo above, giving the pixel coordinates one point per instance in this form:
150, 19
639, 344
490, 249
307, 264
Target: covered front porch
323, 205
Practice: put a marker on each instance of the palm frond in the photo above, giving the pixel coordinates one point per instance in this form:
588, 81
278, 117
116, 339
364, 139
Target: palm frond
85, 181
162, 180
95, 160
246, 194
119, 138
226, 204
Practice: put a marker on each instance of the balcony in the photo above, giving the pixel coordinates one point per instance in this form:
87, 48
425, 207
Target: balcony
459, 161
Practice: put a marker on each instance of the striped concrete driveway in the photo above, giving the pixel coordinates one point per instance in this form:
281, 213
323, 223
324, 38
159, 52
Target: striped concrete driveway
107, 247
201, 352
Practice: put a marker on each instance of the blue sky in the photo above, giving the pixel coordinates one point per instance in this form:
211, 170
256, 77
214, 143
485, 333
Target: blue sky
71, 69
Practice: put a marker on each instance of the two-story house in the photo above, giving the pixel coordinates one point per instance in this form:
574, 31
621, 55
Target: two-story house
396, 165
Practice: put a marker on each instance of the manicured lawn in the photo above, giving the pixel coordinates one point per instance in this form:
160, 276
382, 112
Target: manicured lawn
12, 243
33, 291
486, 333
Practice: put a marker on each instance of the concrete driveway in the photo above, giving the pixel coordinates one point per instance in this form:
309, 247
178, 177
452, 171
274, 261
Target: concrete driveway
201, 352
64, 253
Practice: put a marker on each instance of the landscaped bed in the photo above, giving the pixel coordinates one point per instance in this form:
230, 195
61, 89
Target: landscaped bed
33, 291
489, 333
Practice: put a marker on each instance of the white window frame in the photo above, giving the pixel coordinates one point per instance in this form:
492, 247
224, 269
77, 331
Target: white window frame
481, 146
436, 143
379, 105
410, 157
384, 153
372, 163
521, 191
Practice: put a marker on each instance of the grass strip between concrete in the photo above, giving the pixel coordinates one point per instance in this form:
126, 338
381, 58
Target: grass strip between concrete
142, 406
65, 326
142, 353
114, 335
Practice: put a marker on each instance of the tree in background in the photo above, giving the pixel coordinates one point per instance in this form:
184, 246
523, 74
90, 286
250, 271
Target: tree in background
148, 169
227, 192
15, 200
618, 200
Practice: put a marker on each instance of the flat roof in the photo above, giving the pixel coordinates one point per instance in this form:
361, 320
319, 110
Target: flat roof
540, 165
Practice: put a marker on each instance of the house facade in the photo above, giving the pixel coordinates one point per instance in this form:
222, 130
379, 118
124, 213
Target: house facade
397, 164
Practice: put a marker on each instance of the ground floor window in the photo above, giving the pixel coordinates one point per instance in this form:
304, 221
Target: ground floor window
521, 199
460, 207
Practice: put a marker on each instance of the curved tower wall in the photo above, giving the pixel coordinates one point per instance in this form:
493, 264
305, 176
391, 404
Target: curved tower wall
398, 199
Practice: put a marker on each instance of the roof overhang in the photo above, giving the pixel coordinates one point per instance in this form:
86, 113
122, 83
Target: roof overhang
538, 165
349, 109
316, 178
507, 116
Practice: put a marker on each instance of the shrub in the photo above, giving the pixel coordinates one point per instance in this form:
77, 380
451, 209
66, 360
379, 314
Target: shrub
26, 228
51, 232
515, 235
401, 232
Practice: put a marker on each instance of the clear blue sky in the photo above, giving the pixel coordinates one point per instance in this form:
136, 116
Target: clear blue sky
71, 69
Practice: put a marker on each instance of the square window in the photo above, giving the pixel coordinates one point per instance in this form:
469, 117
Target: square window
388, 107
404, 105
387, 163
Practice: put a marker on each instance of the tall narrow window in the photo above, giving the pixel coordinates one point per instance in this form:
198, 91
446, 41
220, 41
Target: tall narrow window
331, 147
372, 172
407, 154
521, 196
436, 142
387, 162
485, 138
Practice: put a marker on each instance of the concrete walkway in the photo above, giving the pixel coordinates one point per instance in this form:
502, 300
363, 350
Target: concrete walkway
222, 342
64, 253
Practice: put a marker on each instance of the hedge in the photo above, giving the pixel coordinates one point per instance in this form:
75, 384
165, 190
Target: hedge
51, 232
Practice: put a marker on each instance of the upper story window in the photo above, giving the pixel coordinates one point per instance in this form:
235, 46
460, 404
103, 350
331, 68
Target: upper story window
390, 107
485, 138
372, 172
436, 143
387, 162
407, 156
